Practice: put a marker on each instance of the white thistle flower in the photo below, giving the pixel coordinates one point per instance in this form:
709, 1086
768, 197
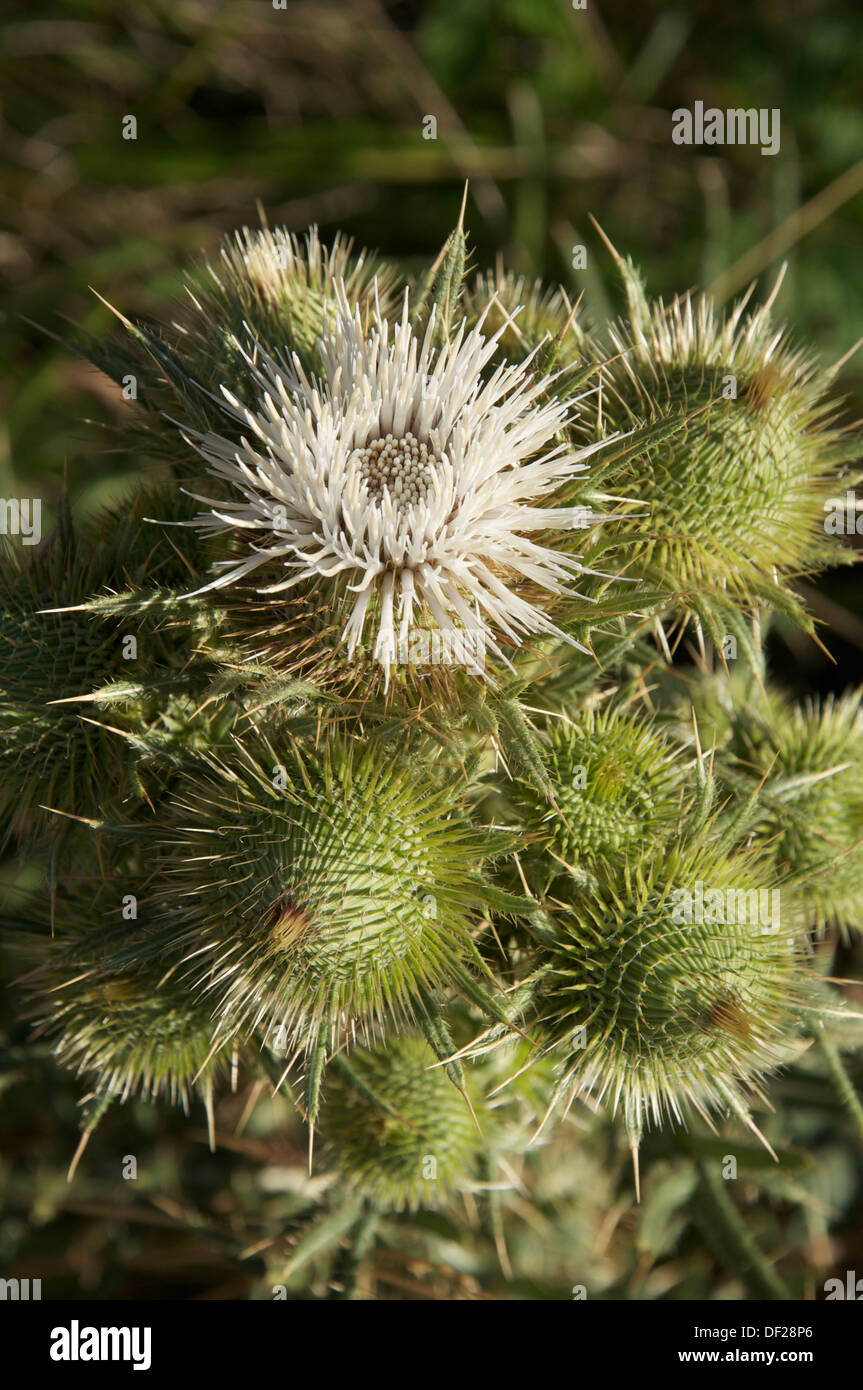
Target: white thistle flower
405, 470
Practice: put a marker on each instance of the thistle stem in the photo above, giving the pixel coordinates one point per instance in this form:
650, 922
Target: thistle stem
351, 1257
724, 1227
842, 1081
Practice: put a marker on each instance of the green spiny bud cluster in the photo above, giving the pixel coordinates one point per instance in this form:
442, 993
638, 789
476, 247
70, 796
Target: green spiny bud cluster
320, 892
399, 775
402, 1135
804, 763
615, 783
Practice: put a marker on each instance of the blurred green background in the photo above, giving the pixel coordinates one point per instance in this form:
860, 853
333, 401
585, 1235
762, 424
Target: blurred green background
316, 112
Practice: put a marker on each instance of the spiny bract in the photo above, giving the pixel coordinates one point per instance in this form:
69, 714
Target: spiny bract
805, 761
655, 996
399, 1131
615, 784
320, 893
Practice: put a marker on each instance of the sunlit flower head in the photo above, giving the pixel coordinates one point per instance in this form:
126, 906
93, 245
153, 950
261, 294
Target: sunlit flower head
413, 473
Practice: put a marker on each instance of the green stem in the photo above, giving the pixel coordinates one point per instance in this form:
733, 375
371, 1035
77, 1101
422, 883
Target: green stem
351, 1258
842, 1081
723, 1225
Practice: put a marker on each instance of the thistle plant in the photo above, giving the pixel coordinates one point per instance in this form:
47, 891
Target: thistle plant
737, 490
398, 811
803, 760
615, 782
324, 895
403, 1137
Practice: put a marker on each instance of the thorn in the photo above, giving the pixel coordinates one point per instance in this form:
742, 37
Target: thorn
77, 699
771, 298
127, 323
211, 1119
214, 1048
544, 1121
817, 640
85, 820
467, 1102
757, 1132
570, 319
613, 249
522, 877
698, 750
135, 741
78, 1154
663, 640
837, 366
459, 226
635, 1172
311, 1144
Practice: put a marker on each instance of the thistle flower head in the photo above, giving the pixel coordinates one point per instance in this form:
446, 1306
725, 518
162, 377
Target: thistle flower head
804, 760
736, 492
406, 477
317, 896
66, 610
655, 996
530, 315
399, 1131
616, 783
121, 1017
48, 755
295, 276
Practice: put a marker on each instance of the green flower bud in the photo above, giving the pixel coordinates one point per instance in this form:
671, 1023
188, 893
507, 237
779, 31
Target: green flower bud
535, 317
49, 755
318, 894
668, 983
806, 761
736, 492
122, 1017
267, 290
616, 783
90, 622
398, 1131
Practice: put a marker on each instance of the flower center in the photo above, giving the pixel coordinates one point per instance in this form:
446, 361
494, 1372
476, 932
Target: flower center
403, 465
